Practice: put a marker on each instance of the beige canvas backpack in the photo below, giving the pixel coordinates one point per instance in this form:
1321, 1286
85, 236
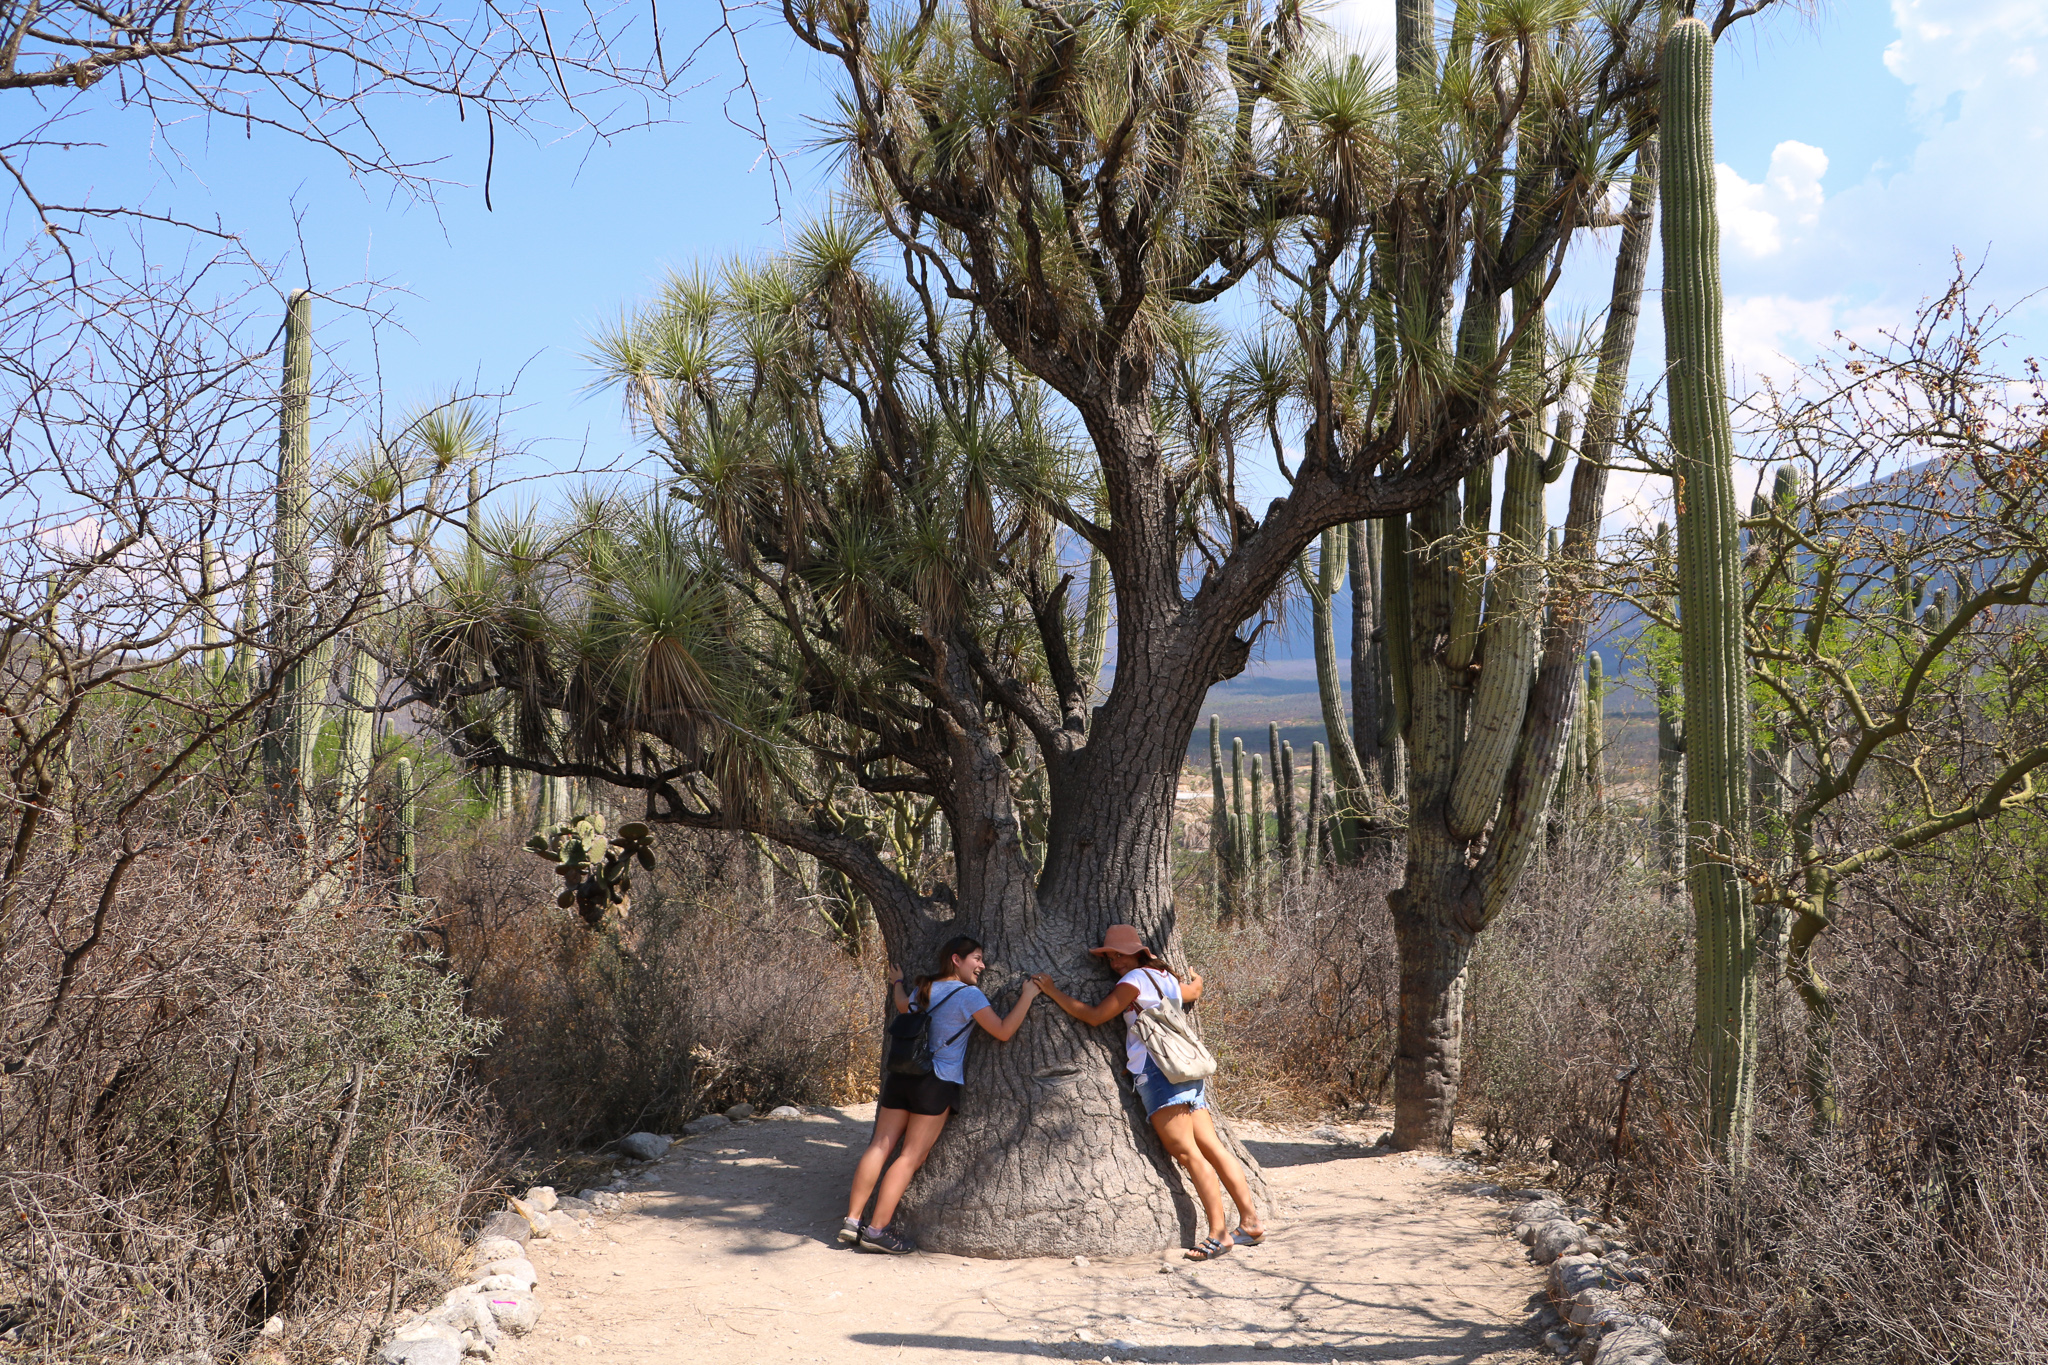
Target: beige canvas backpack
1169, 1035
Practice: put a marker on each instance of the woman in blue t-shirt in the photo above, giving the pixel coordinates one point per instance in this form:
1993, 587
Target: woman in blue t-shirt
1179, 1110
914, 1109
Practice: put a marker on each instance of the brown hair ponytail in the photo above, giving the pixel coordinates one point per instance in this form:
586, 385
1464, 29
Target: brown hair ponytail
960, 945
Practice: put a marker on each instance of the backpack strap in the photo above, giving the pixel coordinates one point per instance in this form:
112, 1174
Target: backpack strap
964, 1027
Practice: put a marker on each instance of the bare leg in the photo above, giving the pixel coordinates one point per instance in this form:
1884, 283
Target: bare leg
919, 1134
1176, 1128
1218, 1155
888, 1134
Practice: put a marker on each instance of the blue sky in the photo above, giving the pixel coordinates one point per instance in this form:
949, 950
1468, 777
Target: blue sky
1858, 148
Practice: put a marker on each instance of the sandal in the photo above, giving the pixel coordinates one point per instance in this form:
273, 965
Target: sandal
1249, 1239
1209, 1249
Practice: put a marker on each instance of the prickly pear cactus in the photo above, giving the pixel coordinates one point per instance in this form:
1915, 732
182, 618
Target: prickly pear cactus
596, 867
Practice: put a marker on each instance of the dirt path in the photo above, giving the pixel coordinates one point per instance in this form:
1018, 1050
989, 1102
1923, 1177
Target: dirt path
727, 1256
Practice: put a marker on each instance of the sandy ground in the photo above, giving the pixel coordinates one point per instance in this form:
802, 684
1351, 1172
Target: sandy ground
728, 1255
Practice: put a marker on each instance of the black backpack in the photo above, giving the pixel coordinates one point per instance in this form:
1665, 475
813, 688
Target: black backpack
910, 1038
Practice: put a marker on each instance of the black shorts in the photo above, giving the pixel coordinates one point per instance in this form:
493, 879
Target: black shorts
926, 1095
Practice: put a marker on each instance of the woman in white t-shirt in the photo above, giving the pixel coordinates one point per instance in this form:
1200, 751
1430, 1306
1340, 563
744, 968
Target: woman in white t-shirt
1179, 1110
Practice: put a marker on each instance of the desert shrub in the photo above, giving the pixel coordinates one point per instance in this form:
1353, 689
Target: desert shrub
1302, 1000
712, 990
1916, 1231
1584, 978
223, 1102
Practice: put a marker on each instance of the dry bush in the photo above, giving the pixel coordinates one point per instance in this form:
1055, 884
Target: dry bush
1587, 976
710, 992
228, 1106
1300, 1004
1917, 1231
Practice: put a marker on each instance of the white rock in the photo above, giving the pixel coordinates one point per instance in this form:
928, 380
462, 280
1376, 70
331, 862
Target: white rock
1085, 1335
785, 1111
515, 1312
490, 1282
706, 1123
647, 1146
1638, 1343
519, 1269
437, 1350
468, 1314
1081, 1260
488, 1249
542, 1197
274, 1327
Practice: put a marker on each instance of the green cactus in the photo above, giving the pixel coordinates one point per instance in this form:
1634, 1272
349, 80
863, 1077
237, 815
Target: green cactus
1255, 819
213, 659
408, 833
1320, 854
365, 684
247, 667
1350, 793
1596, 730
1664, 819
304, 686
1560, 448
1240, 834
1283, 802
1711, 597
1222, 836
597, 868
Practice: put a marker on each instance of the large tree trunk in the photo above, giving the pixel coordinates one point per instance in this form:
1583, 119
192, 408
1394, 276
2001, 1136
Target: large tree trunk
1050, 1152
1429, 1042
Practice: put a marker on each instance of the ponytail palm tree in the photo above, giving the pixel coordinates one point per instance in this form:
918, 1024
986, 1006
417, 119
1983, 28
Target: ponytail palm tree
1010, 344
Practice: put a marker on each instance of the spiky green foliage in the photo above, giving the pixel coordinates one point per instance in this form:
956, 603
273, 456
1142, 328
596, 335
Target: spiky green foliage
1710, 596
596, 868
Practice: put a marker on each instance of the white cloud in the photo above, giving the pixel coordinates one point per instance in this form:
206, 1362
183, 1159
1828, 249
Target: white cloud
1755, 217
1363, 25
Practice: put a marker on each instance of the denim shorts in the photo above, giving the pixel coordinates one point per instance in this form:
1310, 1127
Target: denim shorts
1157, 1092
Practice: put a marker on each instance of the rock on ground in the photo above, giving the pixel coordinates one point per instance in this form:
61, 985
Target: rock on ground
644, 1146
706, 1123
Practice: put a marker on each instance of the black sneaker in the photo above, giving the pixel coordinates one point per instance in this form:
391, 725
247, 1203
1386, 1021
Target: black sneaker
849, 1231
885, 1241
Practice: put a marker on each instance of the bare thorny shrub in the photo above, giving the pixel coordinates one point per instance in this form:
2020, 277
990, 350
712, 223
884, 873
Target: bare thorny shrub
228, 1085
713, 990
1300, 999
1916, 1230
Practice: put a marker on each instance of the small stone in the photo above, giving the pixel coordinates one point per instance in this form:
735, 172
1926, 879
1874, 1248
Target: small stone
582, 1341
1488, 1191
1081, 1260
647, 1146
1327, 1134
521, 1270
274, 1327
422, 1351
576, 1208
506, 1224
706, 1123
488, 1249
1125, 1346
1085, 1335
1554, 1239
542, 1197
515, 1312
535, 1219
1262, 1345
785, 1111
740, 1111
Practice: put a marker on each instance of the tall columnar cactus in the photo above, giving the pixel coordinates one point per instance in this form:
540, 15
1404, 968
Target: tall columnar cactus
1664, 818
1240, 830
1222, 829
1319, 851
358, 724
407, 798
247, 667
1596, 730
303, 687
1710, 591
213, 658
1283, 801
1375, 728
1350, 794
1255, 819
